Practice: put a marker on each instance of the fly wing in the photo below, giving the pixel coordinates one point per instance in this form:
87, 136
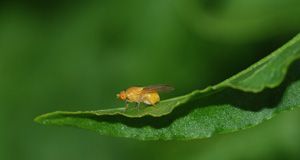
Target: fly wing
157, 88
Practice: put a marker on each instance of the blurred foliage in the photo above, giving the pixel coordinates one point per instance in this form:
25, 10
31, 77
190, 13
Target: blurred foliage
63, 55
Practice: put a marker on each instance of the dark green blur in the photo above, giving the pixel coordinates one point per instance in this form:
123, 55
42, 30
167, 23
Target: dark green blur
76, 55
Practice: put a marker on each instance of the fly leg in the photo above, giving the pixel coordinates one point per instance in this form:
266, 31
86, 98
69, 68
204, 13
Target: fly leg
154, 105
126, 105
138, 105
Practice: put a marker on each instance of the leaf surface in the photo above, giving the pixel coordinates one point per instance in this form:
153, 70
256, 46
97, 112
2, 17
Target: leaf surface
244, 100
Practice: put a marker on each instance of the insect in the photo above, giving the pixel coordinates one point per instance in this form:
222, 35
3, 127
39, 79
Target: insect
148, 95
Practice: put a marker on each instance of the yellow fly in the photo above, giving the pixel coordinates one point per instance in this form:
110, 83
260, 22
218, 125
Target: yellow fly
148, 95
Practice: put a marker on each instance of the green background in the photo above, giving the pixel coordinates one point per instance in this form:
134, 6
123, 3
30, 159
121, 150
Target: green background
76, 55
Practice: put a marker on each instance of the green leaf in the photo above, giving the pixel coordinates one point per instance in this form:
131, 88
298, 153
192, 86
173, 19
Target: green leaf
242, 101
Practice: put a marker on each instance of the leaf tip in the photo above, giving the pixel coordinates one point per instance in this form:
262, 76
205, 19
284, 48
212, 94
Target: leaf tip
41, 119
38, 119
